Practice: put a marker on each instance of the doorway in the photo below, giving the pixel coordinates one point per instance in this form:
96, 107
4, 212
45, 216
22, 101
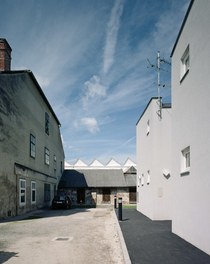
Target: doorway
81, 195
106, 195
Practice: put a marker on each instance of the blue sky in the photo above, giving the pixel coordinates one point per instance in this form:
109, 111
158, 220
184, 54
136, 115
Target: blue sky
90, 58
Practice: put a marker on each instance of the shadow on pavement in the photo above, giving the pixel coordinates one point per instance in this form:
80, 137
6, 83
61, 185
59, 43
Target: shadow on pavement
4, 256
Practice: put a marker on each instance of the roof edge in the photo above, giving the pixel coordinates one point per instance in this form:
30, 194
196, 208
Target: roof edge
182, 26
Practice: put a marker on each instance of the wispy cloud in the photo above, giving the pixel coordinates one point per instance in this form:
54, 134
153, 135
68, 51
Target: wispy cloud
112, 32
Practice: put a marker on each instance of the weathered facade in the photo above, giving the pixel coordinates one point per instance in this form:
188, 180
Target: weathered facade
31, 151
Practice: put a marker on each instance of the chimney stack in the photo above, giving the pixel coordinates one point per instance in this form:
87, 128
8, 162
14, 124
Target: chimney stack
5, 55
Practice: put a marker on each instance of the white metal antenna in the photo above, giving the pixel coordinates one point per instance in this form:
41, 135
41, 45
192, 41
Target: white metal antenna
159, 112
157, 67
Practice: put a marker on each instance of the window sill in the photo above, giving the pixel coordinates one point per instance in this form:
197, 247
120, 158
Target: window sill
185, 172
183, 77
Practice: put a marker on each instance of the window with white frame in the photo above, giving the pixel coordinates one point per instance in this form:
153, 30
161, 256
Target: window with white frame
148, 127
47, 156
33, 192
185, 160
142, 179
185, 62
32, 146
148, 177
22, 192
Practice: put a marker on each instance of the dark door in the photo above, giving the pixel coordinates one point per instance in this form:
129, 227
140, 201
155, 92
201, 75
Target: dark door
81, 196
132, 194
106, 195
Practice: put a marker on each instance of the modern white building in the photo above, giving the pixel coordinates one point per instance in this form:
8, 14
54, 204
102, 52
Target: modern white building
191, 127
179, 143
153, 138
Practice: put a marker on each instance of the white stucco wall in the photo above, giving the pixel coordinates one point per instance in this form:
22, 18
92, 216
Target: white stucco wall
153, 155
191, 127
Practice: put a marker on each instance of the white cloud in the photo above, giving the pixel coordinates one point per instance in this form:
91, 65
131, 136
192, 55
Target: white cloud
90, 124
112, 32
94, 88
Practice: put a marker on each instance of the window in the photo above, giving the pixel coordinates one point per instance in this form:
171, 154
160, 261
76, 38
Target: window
47, 123
32, 146
148, 127
46, 192
185, 160
142, 179
47, 156
33, 192
185, 63
55, 162
22, 192
148, 177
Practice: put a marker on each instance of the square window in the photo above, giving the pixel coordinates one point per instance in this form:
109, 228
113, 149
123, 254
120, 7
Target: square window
32, 146
47, 156
22, 192
185, 63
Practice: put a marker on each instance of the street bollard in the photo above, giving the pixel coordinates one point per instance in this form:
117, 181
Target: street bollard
115, 202
120, 209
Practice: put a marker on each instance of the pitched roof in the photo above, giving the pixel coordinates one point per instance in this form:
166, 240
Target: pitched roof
96, 163
93, 178
80, 163
13, 79
113, 163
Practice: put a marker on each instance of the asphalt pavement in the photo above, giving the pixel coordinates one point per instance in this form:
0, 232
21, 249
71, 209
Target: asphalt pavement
152, 242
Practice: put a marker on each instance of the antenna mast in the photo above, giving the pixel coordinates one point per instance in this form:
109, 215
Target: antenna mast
159, 112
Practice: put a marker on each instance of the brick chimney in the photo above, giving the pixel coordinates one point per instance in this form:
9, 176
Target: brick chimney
5, 55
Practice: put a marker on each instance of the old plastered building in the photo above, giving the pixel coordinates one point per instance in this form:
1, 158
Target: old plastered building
31, 151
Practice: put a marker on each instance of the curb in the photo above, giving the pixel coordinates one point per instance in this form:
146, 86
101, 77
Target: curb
122, 241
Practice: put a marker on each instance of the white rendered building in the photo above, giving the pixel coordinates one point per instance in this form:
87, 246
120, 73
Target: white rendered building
191, 127
153, 138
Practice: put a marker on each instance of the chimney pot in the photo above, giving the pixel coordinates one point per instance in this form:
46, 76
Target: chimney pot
5, 55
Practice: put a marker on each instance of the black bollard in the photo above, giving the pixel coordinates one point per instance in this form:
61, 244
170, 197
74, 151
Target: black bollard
120, 209
115, 202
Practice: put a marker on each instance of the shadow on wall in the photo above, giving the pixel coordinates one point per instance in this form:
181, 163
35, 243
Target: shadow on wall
4, 256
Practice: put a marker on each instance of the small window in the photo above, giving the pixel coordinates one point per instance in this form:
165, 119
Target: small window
55, 162
33, 192
148, 127
32, 146
185, 63
185, 160
148, 177
142, 179
47, 156
22, 192
47, 123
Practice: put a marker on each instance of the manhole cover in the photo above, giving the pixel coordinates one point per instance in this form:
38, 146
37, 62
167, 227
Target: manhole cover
62, 239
